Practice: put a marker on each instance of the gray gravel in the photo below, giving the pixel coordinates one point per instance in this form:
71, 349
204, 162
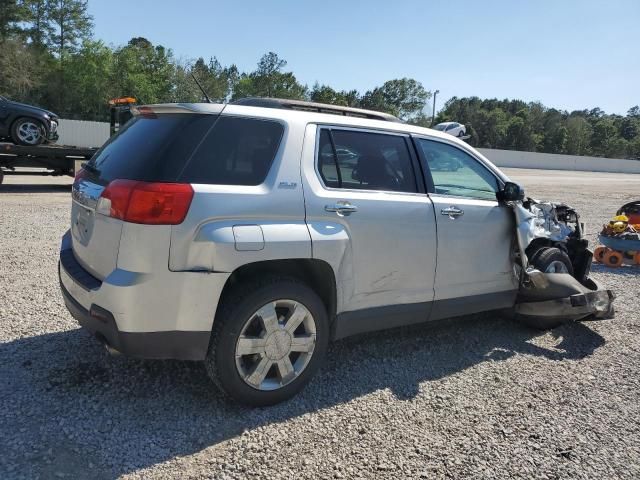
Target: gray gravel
479, 397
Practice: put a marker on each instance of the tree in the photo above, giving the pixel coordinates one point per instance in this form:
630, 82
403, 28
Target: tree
72, 24
11, 14
578, 136
405, 98
326, 94
215, 79
268, 80
18, 66
604, 133
88, 74
38, 15
144, 71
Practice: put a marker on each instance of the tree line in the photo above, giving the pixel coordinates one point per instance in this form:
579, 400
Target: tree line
48, 57
517, 125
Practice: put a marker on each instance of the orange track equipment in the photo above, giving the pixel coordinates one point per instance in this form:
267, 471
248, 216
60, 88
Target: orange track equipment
612, 258
598, 254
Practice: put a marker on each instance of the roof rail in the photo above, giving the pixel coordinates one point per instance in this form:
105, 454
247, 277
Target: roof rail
314, 107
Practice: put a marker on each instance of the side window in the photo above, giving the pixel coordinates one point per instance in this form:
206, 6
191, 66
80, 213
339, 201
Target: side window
367, 161
457, 173
238, 151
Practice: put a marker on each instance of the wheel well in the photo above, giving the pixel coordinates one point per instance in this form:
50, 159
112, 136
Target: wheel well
317, 274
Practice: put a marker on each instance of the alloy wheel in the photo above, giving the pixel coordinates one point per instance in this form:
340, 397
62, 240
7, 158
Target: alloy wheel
556, 267
275, 344
29, 133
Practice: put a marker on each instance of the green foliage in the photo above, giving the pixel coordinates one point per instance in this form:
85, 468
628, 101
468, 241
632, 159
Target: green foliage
326, 94
18, 64
72, 23
268, 80
12, 14
405, 98
89, 76
40, 27
516, 125
143, 71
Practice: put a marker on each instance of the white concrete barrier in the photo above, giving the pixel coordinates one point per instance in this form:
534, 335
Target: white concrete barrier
79, 133
552, 161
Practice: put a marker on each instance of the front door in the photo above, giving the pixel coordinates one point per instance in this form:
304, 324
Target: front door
475, 233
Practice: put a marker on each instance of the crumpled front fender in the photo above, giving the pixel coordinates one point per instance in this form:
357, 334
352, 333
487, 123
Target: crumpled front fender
560, 297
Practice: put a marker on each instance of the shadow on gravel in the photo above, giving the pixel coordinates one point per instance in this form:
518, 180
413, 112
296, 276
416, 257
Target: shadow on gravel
69, 409
34, 188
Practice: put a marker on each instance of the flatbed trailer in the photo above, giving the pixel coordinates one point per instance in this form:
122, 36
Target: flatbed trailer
47, 159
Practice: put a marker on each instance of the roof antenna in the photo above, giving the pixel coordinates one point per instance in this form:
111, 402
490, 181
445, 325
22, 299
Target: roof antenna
201, 89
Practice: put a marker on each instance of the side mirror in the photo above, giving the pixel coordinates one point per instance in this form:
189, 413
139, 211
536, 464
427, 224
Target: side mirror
511, 192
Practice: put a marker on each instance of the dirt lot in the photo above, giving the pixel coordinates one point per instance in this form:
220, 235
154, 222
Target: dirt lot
482, 397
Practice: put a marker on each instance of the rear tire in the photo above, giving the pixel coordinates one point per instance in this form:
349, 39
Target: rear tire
246, 340
28, 132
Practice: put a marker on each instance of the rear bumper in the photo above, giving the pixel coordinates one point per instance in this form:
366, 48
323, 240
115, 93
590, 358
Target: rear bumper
153, 345
157, 316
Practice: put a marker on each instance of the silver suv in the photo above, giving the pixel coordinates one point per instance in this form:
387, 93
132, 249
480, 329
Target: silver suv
249, 235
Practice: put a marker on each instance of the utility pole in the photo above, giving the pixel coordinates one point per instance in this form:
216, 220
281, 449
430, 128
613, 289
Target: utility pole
433, 114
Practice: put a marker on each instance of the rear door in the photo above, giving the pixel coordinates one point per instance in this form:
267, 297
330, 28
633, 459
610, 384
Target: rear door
370, 217
475, 233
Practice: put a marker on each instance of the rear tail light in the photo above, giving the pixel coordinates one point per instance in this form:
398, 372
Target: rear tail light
146, 203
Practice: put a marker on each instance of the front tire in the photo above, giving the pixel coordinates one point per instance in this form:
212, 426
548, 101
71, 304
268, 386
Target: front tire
268, 340
28, 132
552, 260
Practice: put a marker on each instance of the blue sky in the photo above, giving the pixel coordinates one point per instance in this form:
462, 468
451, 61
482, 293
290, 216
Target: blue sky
569, 54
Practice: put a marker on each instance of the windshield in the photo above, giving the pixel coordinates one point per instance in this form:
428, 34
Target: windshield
440, 126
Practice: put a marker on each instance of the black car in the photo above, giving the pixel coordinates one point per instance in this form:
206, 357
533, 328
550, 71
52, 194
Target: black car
26, 125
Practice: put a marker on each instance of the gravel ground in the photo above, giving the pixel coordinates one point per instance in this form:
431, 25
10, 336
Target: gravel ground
479, 397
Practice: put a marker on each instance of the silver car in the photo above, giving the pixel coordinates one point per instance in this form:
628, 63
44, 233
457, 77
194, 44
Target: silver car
249, 235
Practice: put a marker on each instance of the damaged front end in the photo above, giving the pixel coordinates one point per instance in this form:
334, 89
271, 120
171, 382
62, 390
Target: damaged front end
553, 262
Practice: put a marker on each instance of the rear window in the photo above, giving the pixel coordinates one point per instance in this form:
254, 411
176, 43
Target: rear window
190, 148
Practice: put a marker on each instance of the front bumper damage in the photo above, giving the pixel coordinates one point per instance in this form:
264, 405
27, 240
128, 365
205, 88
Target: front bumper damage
551, 298
548, 299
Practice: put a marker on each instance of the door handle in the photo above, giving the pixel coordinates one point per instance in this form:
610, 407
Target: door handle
452, 212
341, 208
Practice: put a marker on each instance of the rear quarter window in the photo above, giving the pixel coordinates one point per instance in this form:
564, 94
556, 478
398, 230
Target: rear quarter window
237, 151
